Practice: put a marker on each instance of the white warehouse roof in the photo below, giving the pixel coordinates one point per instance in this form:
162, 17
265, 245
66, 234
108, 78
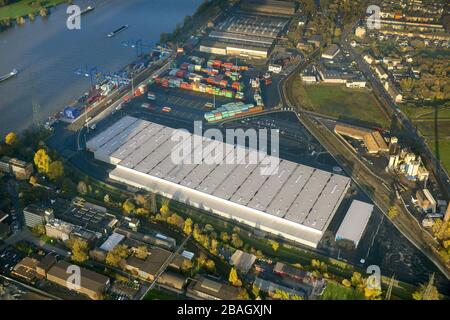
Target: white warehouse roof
112, 241
355, 222
297, 203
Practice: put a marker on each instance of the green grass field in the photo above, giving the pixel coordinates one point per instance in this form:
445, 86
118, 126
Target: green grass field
357, 105
160, 295
335, 291
24, 7
444, 151
427, 128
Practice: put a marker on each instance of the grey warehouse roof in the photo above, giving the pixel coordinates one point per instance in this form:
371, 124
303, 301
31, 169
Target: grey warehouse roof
297, 202
355, 221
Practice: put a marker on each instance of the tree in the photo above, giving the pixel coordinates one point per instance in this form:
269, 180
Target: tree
318, 265
225, 237
210, 265
187, 228
117, 255
243, 295
11, 139
372, 293
55, 170
346, 283
79, 250
141, 252
176, 220
427, 292
201, 259
236, 241
128, 206
33, 181
82, 187
275, 245
392, 212
186, 265
255, 290
142, 212
39, 230
42, 160
165, 210
234, 279
214, 246
357, 280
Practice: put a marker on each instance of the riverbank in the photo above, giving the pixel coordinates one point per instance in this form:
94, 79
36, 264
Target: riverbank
20, 11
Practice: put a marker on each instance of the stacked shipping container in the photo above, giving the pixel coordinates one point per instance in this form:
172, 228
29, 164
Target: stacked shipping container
231, 110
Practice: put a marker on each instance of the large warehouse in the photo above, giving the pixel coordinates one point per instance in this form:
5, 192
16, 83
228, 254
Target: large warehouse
269, 6
245, 35
297, 203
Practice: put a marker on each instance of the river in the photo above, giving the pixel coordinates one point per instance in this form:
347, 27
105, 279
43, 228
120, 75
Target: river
47, 53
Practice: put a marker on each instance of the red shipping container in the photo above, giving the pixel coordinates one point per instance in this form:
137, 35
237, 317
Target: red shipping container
184, 66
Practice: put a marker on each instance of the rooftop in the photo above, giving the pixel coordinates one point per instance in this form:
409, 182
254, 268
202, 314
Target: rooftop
296, 194
355, 221
89, 280
213, 288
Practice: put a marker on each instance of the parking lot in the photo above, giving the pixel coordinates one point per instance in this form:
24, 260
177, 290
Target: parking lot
9, 257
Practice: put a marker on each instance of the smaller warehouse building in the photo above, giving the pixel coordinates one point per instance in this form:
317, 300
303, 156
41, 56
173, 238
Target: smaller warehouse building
269, 6
243, 261
91, 284
202, 288
331, 51
355, 222
373, 140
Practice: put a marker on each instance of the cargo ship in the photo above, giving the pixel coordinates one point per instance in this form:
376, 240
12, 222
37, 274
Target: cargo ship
112, 34
9, 75
88, 9
231, 110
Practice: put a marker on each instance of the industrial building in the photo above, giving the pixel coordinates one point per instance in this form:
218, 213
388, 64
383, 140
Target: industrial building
112, 241
426, 201
242, 261
20, 169
245, 35
355, 222
26, 269
58, 229
150, 237
91, 217
297, 203
373, 140
270, 288
149, 267
331, 51
202, 288
91, 284
236, 48
35, 215
269, 6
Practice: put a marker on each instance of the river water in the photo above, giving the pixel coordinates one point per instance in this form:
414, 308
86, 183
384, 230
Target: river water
47, 53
